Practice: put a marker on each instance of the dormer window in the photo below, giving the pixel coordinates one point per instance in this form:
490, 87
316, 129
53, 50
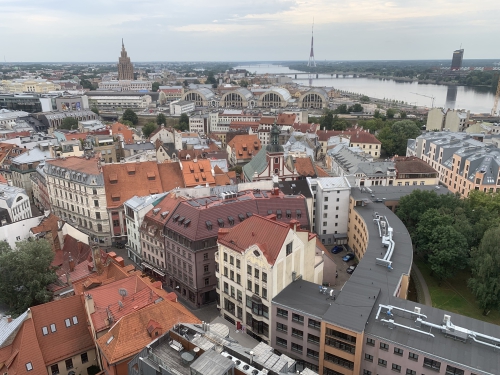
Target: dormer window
220, 222
181, 219
230, 219
241, 217
175, 217
288, 214
249, 214
186, 223
299, 214
278, 214
208, 223
269, 212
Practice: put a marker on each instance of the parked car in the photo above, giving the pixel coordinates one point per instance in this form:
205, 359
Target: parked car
348, 257
337, 249
351, 269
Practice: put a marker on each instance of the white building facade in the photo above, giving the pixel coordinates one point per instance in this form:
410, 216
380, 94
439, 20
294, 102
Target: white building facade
16, 202
331, 208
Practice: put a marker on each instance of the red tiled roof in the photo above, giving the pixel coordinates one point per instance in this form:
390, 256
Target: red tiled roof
24, 349
287, 119
128, 135
267, 120
110, 272
170, 175
304, 127
245, 146
66, 341
305, 167
123, 181
197, 172
130, 334
204, 209
267, 233
320, 172
74, 249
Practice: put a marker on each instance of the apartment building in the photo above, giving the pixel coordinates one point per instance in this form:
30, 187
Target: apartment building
41, 197
331, 207
256, 259
357, 138
369, 327
135, 210
14, 202
77, 194
192, 229
24, 165
462, 162
152, 249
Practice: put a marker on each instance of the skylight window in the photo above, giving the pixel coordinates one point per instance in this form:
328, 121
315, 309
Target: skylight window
67, 322
53, 328
109, 340
45, 331
29, 366
75, 320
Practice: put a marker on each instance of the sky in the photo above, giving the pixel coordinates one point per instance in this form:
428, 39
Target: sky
246, 30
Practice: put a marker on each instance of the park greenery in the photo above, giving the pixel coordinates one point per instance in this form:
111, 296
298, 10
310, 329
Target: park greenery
451, 235
161, 119
394, 136
25, 273
155, 86
69, 123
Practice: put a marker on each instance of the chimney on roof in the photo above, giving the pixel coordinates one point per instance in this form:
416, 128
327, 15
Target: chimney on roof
71, 264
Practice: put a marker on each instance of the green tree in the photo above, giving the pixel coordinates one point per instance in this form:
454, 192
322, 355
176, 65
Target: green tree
355, 108
183, 124
131, 116
341, 109
211, 79
485, 264
364, 99
244, 83
161, 119
403, 115
25, 274
326, 120
424, 235
69, 123
448, 252
155, 86
376, 114
394, 137
390, 113
95, 110
413, 206
128, 123
4, 247
149, 128
86, 84
339, 123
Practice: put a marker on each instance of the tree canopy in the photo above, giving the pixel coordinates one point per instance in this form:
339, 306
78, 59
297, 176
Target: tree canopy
25, 274
131, 116
69, 123
485, 264
155, 86
149, 128
183, 124
394, 137
161, 119
95, 110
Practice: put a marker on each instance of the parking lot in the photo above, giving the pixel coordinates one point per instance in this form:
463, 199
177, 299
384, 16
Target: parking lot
341, 267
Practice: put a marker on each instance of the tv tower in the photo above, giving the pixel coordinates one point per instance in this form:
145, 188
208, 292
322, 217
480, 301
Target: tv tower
312, 62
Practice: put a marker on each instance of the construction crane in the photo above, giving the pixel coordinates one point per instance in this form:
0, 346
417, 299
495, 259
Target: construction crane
427, 96
497, 96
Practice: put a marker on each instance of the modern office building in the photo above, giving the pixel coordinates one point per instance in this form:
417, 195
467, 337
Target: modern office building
126, 85
456, 62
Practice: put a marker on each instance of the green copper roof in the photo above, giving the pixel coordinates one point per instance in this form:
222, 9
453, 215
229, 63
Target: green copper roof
257, 164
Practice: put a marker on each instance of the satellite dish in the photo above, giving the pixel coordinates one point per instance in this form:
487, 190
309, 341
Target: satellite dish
122, 292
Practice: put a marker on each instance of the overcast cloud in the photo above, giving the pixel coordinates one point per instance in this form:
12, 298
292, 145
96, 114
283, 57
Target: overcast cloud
236, 30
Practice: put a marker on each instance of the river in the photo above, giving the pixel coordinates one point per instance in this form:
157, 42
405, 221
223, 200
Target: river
475, 99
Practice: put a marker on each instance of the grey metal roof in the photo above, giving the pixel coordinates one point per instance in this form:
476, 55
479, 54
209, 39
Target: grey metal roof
139, 146
285, 94
7, 329
10, 193
31, 156
257, 164
295, 187
212, 363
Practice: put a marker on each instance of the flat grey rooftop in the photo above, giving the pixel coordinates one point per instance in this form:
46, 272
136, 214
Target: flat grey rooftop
465, 354
212, 363
395, 193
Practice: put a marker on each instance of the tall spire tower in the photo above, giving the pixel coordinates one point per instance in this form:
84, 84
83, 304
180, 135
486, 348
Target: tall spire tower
125, 67
312, 62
